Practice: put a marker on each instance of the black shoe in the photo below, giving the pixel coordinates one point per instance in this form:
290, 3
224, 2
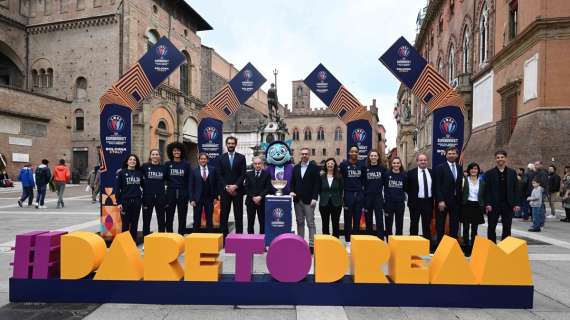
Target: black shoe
563, 220
533, 230
20, 203
62, 204
312, 249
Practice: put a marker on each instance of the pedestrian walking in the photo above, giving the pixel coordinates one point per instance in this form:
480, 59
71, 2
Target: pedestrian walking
94, 182
395, 197
43, 176
128, 191
565, 193
154, 195
535, 202
373, 194
61, 176
330, 197
26, 177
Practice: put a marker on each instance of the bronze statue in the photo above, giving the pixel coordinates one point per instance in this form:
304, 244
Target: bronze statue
272, 102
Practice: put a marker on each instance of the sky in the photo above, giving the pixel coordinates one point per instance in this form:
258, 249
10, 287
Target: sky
294, 36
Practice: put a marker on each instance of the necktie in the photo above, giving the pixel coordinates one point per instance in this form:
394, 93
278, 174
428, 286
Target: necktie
231, 160
204, 175
257, 174
426, 194
454, 170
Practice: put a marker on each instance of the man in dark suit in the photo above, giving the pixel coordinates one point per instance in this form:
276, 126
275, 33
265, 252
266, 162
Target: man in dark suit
257, 186
305, 191
502, 196
232, 168
418, 186
447, 190
205, 188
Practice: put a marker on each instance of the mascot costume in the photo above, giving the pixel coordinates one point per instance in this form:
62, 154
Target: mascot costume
279, 164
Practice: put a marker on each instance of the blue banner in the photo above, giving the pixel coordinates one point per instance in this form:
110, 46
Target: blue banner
447, 132
323, 84
116, 106
246, 82
359, 133
404, 61
277, 216
210, 139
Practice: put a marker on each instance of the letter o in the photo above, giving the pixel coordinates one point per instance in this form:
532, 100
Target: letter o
288, 258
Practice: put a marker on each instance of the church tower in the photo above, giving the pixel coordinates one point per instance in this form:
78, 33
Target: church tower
301, 97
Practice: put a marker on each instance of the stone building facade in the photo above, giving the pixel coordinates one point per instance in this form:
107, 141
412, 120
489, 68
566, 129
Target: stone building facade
321, 130
75, 50
508, 59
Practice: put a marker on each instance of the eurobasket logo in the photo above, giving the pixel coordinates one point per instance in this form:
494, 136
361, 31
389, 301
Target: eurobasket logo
404, 52
161, 51
322, 76
247, 83
447, 126
115, 123
358, 135
210, 133
277, 214
247, 75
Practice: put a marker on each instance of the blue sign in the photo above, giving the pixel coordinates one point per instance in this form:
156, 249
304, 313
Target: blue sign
246, 82
359, 133
160, 61
323, 84
404, 61
277, 216
447, 132
210, 138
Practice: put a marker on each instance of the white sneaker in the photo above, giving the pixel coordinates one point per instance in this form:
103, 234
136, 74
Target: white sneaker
37, 205
348, 246
550, 216
43, 207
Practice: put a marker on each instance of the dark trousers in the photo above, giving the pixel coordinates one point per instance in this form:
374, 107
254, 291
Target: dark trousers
252, 210
27, 193
352, 208
176, 198
422, 208
207, 205
451, 209
130, 215
226, 204
469, 239
41, 196
394, 210
330, 213
374, 209
506, 214
158, 203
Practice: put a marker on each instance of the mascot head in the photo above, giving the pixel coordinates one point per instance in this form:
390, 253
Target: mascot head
278, 153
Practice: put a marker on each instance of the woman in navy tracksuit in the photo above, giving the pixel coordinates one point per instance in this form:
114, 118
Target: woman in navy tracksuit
177, 193
395, 196
128, 191
154, 196
354, 175
374, 200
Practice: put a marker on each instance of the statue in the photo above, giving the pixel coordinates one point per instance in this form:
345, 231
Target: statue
407, 111
279, 166
272, 102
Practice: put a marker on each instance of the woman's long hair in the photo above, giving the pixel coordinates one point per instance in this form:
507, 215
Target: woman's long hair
176, 145
126, 162
335, 169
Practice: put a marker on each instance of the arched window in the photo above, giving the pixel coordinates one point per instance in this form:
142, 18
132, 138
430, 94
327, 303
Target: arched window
162, 125
308, 134
451, 64
296, 134
338, 134
484, 35
43, 80
80, 88
152, 37
440, 65
49, 77
321, 134
35, 79
299, 91
466, 50
185, 79
79, 120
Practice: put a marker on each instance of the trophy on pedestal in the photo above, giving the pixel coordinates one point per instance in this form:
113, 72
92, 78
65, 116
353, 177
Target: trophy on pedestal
279, 183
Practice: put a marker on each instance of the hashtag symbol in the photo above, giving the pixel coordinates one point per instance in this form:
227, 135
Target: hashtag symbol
36, 255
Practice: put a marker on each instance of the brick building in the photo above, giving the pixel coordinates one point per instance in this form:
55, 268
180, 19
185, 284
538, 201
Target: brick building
321, 130
74, 50
508, 59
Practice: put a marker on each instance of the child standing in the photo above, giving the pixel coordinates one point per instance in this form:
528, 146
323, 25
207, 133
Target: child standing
535, 202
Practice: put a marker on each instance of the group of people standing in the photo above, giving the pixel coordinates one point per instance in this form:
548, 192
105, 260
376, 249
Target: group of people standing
41, 179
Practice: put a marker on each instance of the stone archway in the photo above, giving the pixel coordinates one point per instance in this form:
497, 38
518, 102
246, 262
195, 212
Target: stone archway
161, 130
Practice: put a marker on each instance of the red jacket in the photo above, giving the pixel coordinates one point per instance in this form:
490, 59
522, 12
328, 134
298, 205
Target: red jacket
61, 173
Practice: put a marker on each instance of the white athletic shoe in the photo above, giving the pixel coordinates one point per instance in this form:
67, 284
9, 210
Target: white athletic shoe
43, 207
348, 246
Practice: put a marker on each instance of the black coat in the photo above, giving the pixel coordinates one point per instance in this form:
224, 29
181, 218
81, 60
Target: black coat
306, 188
197, 184
232, 174
257, 186
445, 186
412, 187
332, 193
492, 188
